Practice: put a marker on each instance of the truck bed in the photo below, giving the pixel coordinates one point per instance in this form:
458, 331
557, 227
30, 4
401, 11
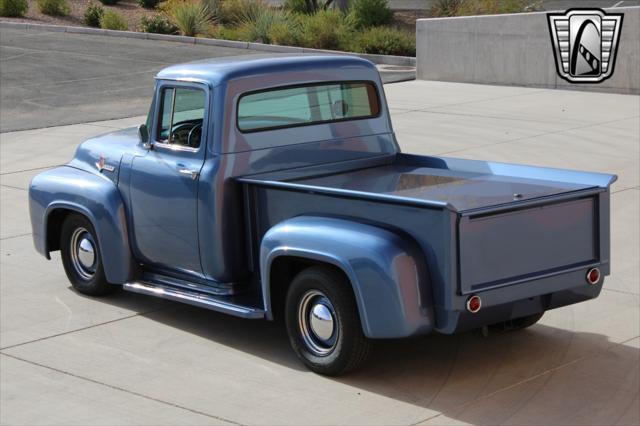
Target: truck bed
480, 225
458, 185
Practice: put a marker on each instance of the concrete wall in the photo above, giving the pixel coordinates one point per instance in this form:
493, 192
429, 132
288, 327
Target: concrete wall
514, 50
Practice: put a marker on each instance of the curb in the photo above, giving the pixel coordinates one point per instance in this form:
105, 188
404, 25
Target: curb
376, 59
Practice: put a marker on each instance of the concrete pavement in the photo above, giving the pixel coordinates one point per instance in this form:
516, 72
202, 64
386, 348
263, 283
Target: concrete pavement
131, 359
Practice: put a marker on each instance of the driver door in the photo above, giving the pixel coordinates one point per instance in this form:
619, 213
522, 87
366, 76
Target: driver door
164, 182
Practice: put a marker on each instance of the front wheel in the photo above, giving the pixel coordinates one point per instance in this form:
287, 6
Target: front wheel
323, 322
81, 257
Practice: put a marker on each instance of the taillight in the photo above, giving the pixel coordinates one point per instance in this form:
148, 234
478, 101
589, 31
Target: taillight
593, 276
474, 304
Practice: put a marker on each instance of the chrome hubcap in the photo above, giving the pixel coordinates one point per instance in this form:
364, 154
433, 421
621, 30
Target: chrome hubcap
317, 321
83, 253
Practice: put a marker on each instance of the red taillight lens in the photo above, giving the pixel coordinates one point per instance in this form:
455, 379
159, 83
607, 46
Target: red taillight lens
474, 304
593, 276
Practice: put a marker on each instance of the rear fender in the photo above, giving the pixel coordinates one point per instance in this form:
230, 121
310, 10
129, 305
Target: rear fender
387, 271
95, 197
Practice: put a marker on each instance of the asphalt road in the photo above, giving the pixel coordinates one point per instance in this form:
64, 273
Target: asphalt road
51, 79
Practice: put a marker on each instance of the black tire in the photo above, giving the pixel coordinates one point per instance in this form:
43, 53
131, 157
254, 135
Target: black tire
86, 280
520, 323
348, 348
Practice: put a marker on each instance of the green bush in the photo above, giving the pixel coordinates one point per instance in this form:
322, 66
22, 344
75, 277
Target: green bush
229, 33
482, 7
109, 2
443, 8
149, 4
13, 8
286, 33
371, 13
494, 7
236, 12
112, 20
327, 29
257, 26
191, 18
214, 7
92, 15
53, 7
385, 41
157, 24
308, 7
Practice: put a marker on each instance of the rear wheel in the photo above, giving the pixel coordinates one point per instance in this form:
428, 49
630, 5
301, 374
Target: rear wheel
323, 322
81, 257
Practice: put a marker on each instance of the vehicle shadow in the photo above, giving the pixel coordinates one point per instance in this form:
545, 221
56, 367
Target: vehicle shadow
532, 376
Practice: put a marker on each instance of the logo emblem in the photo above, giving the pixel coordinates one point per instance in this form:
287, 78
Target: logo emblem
102, 165
585, 42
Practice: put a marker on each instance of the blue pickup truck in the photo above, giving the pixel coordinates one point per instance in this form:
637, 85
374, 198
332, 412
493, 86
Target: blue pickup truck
273, 187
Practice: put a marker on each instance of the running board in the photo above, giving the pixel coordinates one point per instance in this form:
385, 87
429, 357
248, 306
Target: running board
202, 300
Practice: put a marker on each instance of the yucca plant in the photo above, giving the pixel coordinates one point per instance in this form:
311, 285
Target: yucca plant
191, 18
257, 24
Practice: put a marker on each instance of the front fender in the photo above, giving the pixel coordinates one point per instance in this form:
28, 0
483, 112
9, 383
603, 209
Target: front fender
387, 271
92, 195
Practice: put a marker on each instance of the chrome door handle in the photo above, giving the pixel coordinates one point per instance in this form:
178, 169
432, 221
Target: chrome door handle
193, 174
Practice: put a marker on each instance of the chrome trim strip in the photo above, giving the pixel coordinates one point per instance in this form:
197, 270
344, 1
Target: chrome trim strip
175, 147
192, 298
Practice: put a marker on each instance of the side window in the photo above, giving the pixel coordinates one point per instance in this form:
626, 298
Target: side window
181, 116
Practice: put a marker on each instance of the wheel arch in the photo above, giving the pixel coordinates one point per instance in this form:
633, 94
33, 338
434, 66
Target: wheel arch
56, 193
387, 272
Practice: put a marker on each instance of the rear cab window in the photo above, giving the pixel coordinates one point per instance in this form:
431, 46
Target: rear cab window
293, 106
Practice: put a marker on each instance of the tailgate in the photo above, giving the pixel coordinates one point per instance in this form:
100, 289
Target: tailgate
515, 245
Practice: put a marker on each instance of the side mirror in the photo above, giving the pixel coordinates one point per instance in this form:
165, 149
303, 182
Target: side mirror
143, 133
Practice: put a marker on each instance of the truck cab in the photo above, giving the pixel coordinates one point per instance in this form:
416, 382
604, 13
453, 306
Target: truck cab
267, 186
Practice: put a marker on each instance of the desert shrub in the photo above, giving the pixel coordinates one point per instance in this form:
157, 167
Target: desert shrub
157, 24
92, 15
482, 7
214, 7
308, 7
235, 12
13, 8
109, 2
149, 4
298, 6
445, 8
371, 13
286, 34
385, 41
257, 26
327, 29
191, 18
493, 7
53, 7
112, 20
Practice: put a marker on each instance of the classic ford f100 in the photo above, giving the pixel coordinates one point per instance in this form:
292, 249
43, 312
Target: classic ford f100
273, 186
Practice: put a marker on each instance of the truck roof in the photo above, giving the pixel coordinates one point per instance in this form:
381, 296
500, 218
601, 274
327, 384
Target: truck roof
216, 71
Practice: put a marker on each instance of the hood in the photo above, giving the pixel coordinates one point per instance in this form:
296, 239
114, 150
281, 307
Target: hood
102, 154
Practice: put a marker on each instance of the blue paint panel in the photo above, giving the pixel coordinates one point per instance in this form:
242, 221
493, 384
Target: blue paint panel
387, 271
93, 196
